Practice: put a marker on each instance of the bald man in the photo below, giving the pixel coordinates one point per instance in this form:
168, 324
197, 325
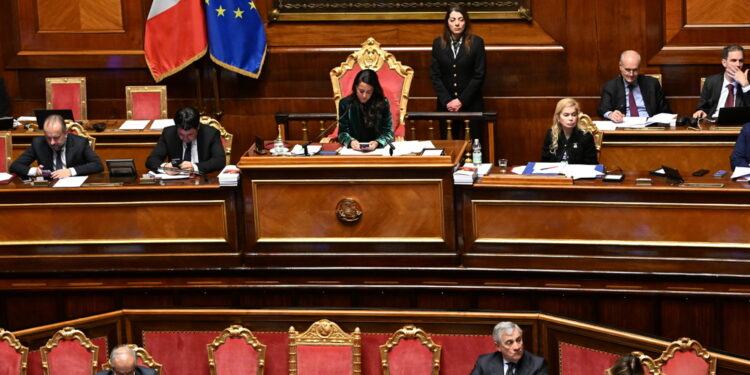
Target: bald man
646, 100
123, 361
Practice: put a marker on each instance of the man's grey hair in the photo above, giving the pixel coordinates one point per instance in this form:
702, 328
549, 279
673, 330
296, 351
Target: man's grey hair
504, 328
120, 350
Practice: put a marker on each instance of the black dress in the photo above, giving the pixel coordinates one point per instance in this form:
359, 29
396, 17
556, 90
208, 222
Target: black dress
580, 148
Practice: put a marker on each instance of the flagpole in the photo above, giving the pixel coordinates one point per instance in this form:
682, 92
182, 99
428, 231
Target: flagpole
199, 89
215, 75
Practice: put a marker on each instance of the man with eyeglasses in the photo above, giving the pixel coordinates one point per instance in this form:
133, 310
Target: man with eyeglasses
123, 361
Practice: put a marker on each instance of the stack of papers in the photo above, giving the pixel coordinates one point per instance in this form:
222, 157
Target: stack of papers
465, 175
68, 182
311, 149
482, 169
741, 173
229, 176
574, 171
636, 122
161, 124
410, 147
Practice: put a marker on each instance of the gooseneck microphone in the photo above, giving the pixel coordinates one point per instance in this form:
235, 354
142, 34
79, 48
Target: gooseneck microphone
329, 127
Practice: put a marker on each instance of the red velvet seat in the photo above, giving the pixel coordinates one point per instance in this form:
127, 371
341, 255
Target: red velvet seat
682, 357
146, 102
6, 150
579, 360
410, 351
236, 351
324, 349
14, 357
394, 77
67, 93
69, 352
142, 359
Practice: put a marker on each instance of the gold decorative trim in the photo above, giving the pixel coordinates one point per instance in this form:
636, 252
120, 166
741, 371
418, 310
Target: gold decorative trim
161, 90
48, 82
325, 333
410, 332
69, 334
239, 332
684, 344
16, 345
6, 140
277, 15
223, 133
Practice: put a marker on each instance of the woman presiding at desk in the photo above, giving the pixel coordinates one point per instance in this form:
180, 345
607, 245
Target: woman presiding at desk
365, 121
567, 140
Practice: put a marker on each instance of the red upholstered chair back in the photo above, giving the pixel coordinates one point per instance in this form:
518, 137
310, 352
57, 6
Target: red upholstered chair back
410, 351
324, 349
67, 93
142, 359
69, 352
146, 102
14, 357
682, 357
578, 360
394, 77
6, 149
236, 351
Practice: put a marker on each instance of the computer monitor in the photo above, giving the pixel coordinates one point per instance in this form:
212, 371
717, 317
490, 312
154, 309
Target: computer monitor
121, 167
42, 114
6, 123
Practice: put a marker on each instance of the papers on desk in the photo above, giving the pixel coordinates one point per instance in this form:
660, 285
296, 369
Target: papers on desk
311, 149
161, 124
636, 122
742, 173
134, 125
465, 175
165, 176
410, 147
5, 177
352, 152
229, 176
69, 182
482, 169
27, 118
574, 171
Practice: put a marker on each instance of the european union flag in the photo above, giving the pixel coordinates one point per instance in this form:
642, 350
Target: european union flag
236, 38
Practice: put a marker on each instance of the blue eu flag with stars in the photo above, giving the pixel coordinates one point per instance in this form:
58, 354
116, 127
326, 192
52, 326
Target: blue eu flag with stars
236, 38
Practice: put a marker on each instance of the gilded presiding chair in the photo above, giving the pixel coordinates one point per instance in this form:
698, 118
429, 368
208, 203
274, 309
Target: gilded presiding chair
69, 352
585, 123
324, 349
67, 93
410, 351
142, 359
226, 137
13, 356
146, 102
682, 357
79, 130
236, 351
394, 77
6, 151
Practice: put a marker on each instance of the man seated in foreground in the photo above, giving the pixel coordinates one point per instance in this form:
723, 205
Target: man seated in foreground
510, 358
123, 361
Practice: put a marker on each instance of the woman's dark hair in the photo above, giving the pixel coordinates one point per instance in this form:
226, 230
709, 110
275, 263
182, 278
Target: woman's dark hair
187, 118
447, 35
627, 365
371, 111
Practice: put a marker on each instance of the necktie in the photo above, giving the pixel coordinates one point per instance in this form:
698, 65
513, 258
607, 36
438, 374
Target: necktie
186, 155
511, 368
58, 160
730, 96
633, 108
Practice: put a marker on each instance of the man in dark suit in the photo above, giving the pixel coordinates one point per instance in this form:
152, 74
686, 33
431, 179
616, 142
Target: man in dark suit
631, 94
123, 361
510, 358
198, 148
63, 154
728, 89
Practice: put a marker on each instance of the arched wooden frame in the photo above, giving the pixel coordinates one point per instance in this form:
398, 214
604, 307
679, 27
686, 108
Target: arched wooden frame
371, 56
237, 331
684, 344
162, 90
81, 81
410, 332
325, 333
69, 334
141, 353
223, 133
16, 345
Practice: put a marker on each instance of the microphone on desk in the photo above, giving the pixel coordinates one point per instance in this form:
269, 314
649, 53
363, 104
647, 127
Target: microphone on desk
336, 122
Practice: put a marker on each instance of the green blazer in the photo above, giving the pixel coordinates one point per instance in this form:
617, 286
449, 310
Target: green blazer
350, 127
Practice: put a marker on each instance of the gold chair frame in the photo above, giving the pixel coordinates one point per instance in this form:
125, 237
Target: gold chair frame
8, 142
141, 353
237, 331
585, 123
657, 76
684, 344
325, 333
19, 348
410, 332
162, 90
371, 56
227, 136
48, 82
80, 131
68, 334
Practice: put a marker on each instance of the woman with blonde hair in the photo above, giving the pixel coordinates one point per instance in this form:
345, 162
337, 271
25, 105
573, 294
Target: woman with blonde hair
569, 139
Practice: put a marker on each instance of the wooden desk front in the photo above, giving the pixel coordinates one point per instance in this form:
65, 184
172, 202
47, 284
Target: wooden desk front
177, 224
406, 203
686, 150
598, 226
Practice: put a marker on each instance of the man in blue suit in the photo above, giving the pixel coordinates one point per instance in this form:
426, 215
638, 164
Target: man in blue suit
510, 358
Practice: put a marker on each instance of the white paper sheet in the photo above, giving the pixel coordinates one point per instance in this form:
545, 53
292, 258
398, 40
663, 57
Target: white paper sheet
27, 118
5, 176
69, 182
134, 125
311, 149
161, 124
740, 172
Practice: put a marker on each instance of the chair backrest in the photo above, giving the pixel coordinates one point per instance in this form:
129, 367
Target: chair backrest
657, 76
67, 93
703, 82
69, 352
78, 129
14, 357
682, 357
394, 77
410, 351
143, 359
585, 122
6, 151
325, 349
146, 102
226, 137
236, 351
